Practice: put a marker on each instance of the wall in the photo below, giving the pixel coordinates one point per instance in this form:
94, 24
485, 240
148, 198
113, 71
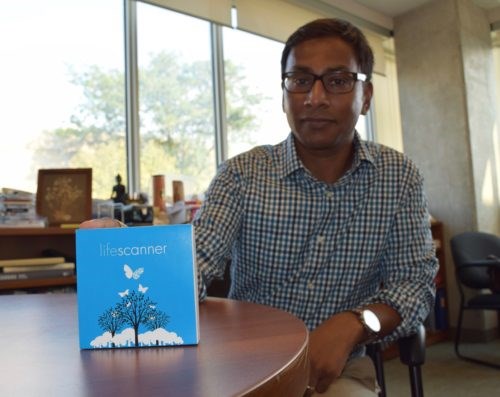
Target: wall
477, 58
446, 87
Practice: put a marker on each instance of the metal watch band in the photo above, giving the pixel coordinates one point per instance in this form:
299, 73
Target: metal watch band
372, 335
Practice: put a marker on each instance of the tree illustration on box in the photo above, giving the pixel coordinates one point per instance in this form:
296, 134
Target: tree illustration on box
133, 310
157, 320
136, 309
111, 321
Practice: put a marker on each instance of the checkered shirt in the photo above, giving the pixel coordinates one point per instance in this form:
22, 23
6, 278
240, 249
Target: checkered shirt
315, 249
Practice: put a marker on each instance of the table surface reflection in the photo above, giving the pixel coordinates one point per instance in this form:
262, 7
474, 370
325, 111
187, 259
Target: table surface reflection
245, 349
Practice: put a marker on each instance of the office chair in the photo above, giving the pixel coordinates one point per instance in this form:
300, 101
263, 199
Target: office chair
477, 266
411, 354
411, 348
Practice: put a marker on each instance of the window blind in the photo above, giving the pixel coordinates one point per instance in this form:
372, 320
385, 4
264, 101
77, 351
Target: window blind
274, 19
218, 11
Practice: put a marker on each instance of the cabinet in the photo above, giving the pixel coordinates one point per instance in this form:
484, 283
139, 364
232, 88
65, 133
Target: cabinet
32, 242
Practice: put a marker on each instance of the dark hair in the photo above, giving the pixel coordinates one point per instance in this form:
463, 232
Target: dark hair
331, 27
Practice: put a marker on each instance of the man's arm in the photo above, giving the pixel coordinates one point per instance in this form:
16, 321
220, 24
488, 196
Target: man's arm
409, 264
332, 341
408, 268
216, 226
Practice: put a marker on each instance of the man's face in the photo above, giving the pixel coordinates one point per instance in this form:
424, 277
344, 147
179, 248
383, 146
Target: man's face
322, 121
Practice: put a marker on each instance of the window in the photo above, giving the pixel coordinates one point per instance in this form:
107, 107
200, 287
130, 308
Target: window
176, 101
386, 118
253, 91
62, 90
63, 93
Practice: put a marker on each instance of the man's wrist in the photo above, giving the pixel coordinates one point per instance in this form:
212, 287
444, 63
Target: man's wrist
370, 323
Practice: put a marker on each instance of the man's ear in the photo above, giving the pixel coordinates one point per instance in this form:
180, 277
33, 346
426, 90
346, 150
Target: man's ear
367, 97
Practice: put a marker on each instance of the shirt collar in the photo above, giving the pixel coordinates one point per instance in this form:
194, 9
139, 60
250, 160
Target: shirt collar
290, 162
362, 151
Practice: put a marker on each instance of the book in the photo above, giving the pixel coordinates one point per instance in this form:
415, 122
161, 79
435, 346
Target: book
441, 310
440, 277
69, 225
18, 269
16, 193
49, 260
137, 287
37, 274
8, 222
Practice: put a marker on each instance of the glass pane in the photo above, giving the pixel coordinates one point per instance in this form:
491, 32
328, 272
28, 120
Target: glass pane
362, 126
175, 95
62, 90
253, 91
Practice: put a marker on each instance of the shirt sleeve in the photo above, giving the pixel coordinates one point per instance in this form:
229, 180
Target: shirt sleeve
409, 264
216, 226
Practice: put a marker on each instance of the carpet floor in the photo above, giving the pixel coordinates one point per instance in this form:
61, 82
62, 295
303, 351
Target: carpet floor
446, 375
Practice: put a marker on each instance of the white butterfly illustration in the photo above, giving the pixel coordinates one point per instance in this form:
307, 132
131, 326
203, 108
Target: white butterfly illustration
143, 289
135, 274
124, 293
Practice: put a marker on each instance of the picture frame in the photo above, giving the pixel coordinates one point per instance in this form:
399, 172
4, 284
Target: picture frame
64, 195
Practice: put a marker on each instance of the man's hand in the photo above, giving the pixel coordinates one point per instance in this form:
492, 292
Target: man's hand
333, 340
101, 223
329, 347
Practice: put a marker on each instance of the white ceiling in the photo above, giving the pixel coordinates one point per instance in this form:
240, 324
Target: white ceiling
381, 13
393, 8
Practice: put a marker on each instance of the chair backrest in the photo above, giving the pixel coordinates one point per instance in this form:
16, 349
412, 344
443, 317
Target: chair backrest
472, 247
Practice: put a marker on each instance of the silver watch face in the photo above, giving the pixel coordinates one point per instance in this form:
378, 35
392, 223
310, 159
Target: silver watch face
371, 320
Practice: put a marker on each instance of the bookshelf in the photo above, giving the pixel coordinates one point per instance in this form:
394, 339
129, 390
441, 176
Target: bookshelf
434, 336
17, 243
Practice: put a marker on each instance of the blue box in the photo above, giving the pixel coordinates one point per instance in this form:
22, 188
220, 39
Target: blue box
137, 287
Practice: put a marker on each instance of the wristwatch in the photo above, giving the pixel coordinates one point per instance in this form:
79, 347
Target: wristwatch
370, 322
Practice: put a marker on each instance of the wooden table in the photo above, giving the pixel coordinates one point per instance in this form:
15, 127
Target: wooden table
245, 350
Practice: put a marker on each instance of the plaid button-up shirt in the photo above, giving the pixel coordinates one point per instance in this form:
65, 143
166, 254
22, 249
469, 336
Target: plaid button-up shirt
315, 249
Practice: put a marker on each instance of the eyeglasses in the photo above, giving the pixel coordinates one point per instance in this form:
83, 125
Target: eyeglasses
338, 82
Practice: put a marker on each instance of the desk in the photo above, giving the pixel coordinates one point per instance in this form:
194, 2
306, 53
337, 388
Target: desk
245, 350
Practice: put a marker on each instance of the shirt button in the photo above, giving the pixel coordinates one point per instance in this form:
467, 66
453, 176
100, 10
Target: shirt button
320, 239
329, 194
310, 285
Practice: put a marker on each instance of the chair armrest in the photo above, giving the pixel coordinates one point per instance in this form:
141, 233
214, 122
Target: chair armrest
412, 348
374, 351
487, 263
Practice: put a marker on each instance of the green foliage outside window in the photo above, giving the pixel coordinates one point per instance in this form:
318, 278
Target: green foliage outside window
176, 122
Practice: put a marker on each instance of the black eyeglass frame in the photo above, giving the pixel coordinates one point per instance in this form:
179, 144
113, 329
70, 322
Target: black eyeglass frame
356, 76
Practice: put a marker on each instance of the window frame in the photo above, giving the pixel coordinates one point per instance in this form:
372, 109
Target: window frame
132, 94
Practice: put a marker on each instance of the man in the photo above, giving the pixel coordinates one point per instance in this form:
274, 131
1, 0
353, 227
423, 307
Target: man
323, 225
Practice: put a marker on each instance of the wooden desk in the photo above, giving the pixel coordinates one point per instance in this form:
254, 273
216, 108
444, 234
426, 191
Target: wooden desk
245, 350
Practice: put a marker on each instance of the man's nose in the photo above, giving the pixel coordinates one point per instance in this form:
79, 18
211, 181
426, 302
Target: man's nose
318, 93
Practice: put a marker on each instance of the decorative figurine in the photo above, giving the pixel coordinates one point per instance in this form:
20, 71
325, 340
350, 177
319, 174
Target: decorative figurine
119, 194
